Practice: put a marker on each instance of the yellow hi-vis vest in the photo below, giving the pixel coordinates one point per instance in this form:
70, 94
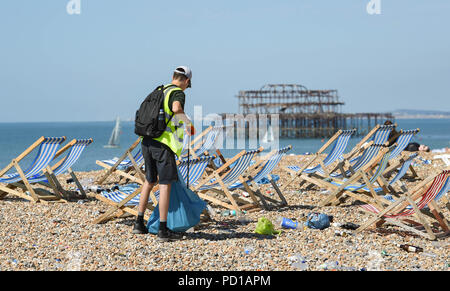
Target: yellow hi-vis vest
173, 135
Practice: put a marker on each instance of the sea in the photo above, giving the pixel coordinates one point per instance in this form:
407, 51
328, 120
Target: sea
16, 137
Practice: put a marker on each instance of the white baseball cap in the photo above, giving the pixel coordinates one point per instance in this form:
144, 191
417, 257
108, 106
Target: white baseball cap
185, 71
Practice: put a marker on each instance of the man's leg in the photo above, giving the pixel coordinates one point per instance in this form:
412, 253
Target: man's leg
139, 226
164, 198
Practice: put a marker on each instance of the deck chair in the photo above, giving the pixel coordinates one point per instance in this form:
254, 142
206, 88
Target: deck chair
261, 170
378, 135
124, 201
412, 205
47, 149
124, 165
365, 161
75, 149
350, 187
340, 140
404, 138
220, 179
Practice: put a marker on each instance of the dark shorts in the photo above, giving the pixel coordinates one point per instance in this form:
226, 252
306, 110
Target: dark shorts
159, 162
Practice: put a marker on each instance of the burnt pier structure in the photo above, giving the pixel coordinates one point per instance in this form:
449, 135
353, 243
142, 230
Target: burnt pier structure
306, 113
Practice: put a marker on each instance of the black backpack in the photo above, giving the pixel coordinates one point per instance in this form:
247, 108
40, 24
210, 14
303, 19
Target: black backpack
150, 121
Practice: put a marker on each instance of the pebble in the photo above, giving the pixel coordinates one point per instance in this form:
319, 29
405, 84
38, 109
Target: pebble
61, 236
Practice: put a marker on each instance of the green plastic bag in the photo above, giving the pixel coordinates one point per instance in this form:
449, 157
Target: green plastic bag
264, 226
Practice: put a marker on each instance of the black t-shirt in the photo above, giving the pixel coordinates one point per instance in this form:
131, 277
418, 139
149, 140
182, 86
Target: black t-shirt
177, 96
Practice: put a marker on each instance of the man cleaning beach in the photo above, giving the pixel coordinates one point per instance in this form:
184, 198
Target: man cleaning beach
159, 153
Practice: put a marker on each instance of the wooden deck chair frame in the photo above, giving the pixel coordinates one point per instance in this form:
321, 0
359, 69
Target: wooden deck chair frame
409, 199
339, 192
234, 203
316, 156
54, 183
43, 197
254, 170
402, 156
138, 178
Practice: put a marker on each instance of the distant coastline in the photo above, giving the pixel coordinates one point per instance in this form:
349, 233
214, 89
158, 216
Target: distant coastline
420, 114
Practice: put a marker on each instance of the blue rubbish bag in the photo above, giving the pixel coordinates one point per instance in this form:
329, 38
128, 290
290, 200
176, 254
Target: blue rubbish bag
185, 208
318, 221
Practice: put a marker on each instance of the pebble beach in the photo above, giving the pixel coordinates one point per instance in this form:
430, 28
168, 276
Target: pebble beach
61, 236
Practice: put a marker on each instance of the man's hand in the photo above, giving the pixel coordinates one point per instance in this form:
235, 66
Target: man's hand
190, 129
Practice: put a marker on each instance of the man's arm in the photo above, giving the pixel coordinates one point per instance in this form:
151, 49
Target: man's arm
179, 115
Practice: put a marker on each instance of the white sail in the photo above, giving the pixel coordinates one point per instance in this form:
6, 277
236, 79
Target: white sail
114, 140
268, 137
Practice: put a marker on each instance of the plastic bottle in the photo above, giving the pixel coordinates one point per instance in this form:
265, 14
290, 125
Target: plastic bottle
410, 248
161, 116
284, 222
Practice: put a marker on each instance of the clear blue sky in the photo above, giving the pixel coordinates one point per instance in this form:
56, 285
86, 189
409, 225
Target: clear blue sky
103, 62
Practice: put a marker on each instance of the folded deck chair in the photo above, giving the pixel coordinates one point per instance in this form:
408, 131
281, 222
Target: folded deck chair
261, 170
340, 140
412, 205
124, 165
124, 201
47, 149
222, 178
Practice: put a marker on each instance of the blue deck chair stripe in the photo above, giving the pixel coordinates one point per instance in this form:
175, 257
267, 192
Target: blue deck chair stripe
403, 140
46, 152
368, 154
72, 157
241, 165
269, 166
336, 151
380, 169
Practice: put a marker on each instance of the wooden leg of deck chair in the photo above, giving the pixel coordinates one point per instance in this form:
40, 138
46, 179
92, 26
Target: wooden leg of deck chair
25, 181
227, 192
283, 199
10, 190
136, 168
413, 172
253, 195
420, 217
56, 191
437, 213
117, 206
77, 182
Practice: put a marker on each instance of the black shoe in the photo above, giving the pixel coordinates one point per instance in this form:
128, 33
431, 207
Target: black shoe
168, 235
140, 228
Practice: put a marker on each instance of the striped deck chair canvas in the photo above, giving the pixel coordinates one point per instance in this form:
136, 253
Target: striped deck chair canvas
360, 182
124, 200
47, 149
340, 140
378, 135
411, 205
262, 169
220, 179
405, 137
129, 162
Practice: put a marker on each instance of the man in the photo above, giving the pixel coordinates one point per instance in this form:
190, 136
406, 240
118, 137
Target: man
159, 153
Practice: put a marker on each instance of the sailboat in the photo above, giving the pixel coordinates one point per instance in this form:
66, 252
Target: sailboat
114, 140
268, 137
